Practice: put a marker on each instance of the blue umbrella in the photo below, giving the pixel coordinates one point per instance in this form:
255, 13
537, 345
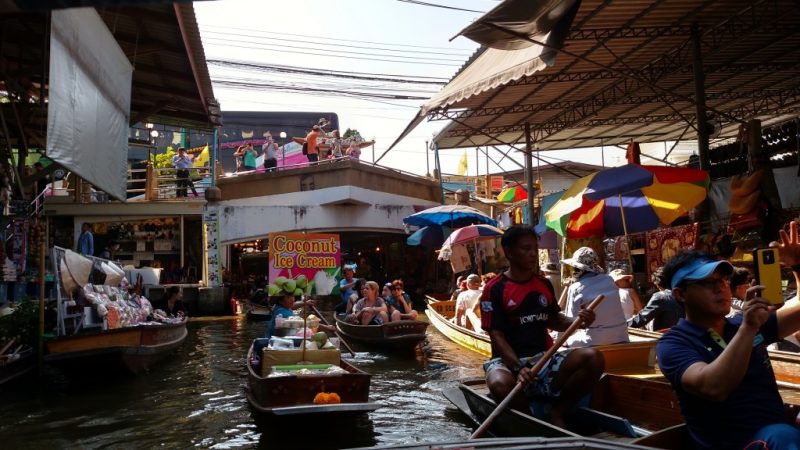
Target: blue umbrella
430, 236
454, 216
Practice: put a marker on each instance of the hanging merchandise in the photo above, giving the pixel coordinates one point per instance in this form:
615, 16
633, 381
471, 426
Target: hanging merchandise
460, 259
747, 209
664, 243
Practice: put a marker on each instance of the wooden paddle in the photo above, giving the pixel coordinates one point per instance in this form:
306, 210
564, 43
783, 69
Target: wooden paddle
341, 339
6, 347
535, 369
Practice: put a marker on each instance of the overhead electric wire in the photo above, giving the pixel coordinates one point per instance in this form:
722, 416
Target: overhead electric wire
277, 68
228, 33
339, 39
416, 2
337, 56
267, 46
306, 89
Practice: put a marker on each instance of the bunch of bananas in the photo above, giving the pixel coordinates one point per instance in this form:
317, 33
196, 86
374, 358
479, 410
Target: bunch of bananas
746, 192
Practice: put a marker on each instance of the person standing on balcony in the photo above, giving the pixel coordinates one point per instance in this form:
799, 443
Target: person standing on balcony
183, 162
249, 158
270, 149
86, 240
311, 141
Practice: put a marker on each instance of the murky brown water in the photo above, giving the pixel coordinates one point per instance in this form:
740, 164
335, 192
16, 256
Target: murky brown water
197, 400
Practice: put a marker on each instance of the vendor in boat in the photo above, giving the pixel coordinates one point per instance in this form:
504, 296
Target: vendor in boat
662, 310
347, 287
517, 309
590, 280
370, 309
399, 303
172, 302
719, 367
284, 307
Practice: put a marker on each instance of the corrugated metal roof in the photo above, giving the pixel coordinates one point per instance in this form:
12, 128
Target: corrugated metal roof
601, 93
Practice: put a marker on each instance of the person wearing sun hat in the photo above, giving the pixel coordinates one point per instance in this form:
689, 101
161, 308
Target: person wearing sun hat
719, 367
591, 280
627, 295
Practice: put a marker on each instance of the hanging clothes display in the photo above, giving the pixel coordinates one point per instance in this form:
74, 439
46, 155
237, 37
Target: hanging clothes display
664, 243
459, 258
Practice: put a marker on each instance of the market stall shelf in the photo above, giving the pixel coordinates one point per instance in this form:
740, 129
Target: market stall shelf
131, 349
294, 395
15, 364
399, 335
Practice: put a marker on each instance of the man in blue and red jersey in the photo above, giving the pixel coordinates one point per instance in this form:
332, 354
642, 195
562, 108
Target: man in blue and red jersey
517, 309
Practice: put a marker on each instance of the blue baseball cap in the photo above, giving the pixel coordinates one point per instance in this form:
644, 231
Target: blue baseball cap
699, 269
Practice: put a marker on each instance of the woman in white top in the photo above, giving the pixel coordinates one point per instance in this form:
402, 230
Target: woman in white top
631, 305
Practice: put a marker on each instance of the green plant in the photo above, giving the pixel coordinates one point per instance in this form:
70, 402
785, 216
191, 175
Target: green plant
23, 323
352, 133
163, 161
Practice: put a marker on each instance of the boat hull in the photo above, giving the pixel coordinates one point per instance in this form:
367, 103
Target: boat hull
132, 350
439, 314
399, 335
293, 396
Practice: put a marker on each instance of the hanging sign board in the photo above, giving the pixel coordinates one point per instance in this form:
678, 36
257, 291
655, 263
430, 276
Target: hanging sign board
304, 263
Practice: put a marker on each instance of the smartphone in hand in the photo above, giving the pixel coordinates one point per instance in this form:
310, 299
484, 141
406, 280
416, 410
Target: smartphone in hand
768, 274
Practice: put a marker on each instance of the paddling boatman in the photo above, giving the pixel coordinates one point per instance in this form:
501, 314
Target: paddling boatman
719, 367
517, 309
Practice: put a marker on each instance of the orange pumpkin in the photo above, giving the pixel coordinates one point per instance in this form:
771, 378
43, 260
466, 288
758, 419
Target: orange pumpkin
321, 398
333, 397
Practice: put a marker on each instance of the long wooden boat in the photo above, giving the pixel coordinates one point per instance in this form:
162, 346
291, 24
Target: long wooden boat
635, 356
293, 395
398, 335
527, 443
23, 362
132, 349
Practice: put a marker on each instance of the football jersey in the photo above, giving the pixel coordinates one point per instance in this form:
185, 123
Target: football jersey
520, 311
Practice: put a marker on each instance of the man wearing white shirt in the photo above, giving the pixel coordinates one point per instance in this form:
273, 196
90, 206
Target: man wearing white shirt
466, 303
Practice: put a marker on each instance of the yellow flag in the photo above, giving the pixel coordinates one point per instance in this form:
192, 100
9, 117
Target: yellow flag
462, 165
202, 158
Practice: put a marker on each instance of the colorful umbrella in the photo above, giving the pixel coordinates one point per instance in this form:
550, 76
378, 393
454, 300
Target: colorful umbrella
627, 199
430, 236
472, 233
513, 193
450, 215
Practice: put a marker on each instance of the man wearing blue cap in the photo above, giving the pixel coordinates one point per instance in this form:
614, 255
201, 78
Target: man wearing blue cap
720, 367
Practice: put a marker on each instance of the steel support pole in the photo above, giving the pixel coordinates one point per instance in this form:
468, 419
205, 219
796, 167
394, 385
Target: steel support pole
427, 161
529, 172
438, 169
212, 163
700, 99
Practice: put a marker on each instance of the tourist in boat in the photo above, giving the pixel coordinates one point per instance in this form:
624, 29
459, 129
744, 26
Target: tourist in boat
627, 295
517, 308
465, 305
590, 280
399, 303
347, 290
719, 367
740, 281
461, 286
370, 309
662, 310
172, 302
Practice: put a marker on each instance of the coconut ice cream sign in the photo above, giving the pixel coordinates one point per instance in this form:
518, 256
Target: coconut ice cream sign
302, 263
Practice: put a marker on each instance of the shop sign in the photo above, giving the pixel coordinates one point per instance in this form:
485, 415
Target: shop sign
497, 184
310, 260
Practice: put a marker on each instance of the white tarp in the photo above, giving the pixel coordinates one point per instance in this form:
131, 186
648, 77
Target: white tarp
89, 102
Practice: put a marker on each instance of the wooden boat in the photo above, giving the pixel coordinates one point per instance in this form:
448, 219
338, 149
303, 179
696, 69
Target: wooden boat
399, 335
439, 314
22, 362
294, 395
635, 356
132, 349
528, 443
256, 312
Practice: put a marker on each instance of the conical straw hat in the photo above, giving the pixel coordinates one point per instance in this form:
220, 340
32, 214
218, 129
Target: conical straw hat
78, 268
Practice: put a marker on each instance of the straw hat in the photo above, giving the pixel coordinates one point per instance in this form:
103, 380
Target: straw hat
114, 273
75, 270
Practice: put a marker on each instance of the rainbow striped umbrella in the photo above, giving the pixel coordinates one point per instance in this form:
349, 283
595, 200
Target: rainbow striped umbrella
627, 199
513, 193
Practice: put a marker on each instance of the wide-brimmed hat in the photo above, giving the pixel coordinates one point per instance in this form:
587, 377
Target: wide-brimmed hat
619, 274
584, 258
75, 270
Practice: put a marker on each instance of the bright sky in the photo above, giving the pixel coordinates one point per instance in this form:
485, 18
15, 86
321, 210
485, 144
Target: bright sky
354, 36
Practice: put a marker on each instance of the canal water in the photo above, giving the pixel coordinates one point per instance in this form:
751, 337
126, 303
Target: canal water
197, 400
